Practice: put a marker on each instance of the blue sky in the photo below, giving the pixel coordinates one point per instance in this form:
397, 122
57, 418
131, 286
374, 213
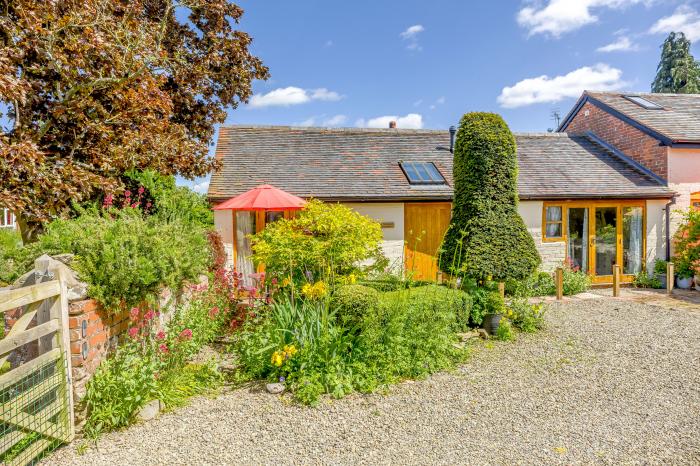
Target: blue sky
424, 64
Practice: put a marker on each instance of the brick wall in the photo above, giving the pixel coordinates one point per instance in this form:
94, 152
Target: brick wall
632, 142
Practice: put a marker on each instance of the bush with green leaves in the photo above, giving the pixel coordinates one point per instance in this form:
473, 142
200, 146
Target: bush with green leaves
527, 317
487, 239
10, 244
407, 334
542, 284
352, 302
643, 280
124, 257
686, 240
322, 240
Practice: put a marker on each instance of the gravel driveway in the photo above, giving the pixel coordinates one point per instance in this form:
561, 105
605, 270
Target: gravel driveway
608, 382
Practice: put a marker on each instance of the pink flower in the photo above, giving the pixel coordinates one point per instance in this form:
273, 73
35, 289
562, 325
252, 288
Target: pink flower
186, 334
149, 315
160, 335
133, 332
134, 314
141, 189
134, 205
148, 205
213, 312
108, 201
163, 348
127, 193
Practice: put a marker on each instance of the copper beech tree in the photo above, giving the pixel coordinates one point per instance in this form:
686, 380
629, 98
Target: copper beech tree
93, 88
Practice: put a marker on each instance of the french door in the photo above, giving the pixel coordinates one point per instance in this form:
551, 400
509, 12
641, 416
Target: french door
600, 235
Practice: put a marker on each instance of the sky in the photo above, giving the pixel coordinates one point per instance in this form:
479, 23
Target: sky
425, 64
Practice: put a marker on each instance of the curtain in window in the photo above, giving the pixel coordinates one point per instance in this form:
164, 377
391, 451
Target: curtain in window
245, 226
632, 240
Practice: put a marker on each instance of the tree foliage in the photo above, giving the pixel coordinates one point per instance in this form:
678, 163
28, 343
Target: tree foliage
94, 88
487, 236
678, 72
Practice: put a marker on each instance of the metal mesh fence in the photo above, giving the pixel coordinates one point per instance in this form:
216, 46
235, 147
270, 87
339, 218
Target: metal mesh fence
34, 412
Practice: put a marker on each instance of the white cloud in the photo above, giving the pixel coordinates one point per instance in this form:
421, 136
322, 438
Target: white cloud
622, 44
440, 100
335, 120
412, 31
545, 89
411, 36
286, 96
201, 187
418, 103
685, 19
561, 16
410, 121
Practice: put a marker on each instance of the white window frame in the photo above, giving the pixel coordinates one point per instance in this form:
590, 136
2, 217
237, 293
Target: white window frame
3, 221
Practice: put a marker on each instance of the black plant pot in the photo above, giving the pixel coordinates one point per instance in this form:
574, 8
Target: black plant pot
491, 322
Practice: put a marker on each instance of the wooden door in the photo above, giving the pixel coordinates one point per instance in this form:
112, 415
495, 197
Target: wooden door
425, 224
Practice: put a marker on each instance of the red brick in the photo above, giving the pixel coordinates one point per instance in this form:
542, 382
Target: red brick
634, 143
98, 339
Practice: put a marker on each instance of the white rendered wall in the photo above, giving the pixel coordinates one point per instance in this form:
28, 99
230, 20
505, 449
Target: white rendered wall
390, 212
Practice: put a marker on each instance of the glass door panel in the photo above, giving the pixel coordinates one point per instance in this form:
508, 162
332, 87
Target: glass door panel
577, 234
605, 240
632, 244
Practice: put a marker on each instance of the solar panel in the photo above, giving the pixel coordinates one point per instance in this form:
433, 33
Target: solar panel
422, 173
642, 102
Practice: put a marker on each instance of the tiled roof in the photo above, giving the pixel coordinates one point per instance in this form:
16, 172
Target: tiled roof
363, 164
678, 121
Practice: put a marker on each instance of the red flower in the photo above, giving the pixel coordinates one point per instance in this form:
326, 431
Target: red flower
213, 312
134, 314
186, 334
134, 205
149, 315
133, 332
141, 189
127, 193
160, 335
163, 348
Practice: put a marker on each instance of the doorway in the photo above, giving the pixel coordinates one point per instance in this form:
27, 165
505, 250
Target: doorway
600, 234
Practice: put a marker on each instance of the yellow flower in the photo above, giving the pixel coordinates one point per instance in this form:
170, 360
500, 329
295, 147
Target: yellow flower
286, 282
315, 291
352, 279
277, 358
290, 350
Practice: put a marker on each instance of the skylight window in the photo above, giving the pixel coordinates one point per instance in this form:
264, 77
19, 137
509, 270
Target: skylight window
422, 173
644, 103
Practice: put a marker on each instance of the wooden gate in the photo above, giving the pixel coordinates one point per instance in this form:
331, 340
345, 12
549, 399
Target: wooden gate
425, 224
36, 405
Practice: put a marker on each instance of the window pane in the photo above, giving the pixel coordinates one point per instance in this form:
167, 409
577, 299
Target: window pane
553, 230
422, 172
554, 214
272, 216
434, 173
410, 172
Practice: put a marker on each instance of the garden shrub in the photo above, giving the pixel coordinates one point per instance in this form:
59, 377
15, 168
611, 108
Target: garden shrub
321, 241
526, 316
643, 280
687, 245
542, 284
124, 257
352, 302
10, 244
486, 300
407, 334
487, 238
504, 332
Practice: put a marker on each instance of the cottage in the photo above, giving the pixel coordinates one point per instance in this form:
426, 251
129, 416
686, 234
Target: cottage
580, 198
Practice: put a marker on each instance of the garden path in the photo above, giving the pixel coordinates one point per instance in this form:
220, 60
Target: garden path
609, 381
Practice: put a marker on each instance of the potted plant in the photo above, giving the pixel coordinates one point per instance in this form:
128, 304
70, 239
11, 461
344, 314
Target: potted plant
494, 306
660, 267
684, 274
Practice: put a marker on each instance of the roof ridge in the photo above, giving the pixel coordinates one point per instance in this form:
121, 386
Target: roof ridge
348, 129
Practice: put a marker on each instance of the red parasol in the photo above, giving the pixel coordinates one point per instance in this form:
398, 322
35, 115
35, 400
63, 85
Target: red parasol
264, 197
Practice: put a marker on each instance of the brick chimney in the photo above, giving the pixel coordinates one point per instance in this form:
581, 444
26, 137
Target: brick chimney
392, 124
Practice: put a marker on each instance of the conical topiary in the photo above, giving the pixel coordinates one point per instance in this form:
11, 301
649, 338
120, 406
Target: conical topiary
487, 237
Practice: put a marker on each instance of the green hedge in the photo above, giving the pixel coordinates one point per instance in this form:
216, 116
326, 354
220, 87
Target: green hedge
487, 238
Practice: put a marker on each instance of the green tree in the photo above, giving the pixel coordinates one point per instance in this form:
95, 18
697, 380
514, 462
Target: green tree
96, 88
678, 72
487, 236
